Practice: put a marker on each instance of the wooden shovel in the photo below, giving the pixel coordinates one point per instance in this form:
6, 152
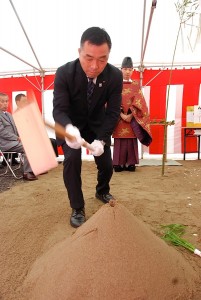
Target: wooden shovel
61, 132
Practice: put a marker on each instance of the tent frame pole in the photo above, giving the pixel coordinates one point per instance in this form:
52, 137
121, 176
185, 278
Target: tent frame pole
144, 45
34, 53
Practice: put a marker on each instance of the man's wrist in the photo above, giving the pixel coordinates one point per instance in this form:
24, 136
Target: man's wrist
102, 142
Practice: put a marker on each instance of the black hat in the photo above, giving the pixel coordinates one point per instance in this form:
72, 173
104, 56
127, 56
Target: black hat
127, 62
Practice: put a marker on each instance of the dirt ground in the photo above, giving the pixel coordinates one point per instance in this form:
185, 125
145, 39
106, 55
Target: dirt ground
34, 216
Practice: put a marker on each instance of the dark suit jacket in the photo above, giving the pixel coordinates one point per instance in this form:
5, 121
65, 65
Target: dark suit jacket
70, 101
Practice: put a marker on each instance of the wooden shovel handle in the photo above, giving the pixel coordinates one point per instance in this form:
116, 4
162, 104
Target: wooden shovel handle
61, 133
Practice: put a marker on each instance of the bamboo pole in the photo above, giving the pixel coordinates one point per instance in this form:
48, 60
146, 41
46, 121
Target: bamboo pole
166, 111
184, 16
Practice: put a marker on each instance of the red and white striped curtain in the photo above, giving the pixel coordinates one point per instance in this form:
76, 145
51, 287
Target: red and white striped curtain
185, 90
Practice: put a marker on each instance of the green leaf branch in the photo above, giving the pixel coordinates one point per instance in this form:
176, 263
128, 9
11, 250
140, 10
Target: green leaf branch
173, 233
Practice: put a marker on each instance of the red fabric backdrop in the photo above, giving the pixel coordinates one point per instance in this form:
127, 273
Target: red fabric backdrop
158, 80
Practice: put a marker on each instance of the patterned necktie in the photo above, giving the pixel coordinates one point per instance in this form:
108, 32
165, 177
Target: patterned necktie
90, 89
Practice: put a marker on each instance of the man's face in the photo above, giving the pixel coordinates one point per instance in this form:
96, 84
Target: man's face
93, 58
127, 72
4, 103
22, 102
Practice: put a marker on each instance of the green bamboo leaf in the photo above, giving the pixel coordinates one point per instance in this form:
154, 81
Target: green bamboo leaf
173, 233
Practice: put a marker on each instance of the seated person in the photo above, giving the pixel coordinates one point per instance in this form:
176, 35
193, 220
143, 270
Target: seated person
21, 100
9, 139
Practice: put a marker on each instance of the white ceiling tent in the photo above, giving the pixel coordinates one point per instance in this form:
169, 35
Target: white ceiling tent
38, 36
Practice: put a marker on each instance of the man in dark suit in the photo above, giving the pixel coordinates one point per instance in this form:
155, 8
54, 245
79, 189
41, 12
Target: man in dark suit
87, 98
20, 99
9, 139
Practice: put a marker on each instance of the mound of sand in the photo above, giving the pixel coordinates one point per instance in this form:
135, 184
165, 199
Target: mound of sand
112, 256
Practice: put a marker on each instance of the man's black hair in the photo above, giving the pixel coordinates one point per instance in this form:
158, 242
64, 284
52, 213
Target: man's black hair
96, 36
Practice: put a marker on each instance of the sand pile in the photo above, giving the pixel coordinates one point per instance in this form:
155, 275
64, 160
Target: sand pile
112, 256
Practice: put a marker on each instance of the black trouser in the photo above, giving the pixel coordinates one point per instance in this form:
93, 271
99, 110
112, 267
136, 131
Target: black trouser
72, 174
54, 145
15, 155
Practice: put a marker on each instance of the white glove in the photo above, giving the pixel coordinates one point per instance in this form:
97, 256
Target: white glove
98, 148
74, 131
